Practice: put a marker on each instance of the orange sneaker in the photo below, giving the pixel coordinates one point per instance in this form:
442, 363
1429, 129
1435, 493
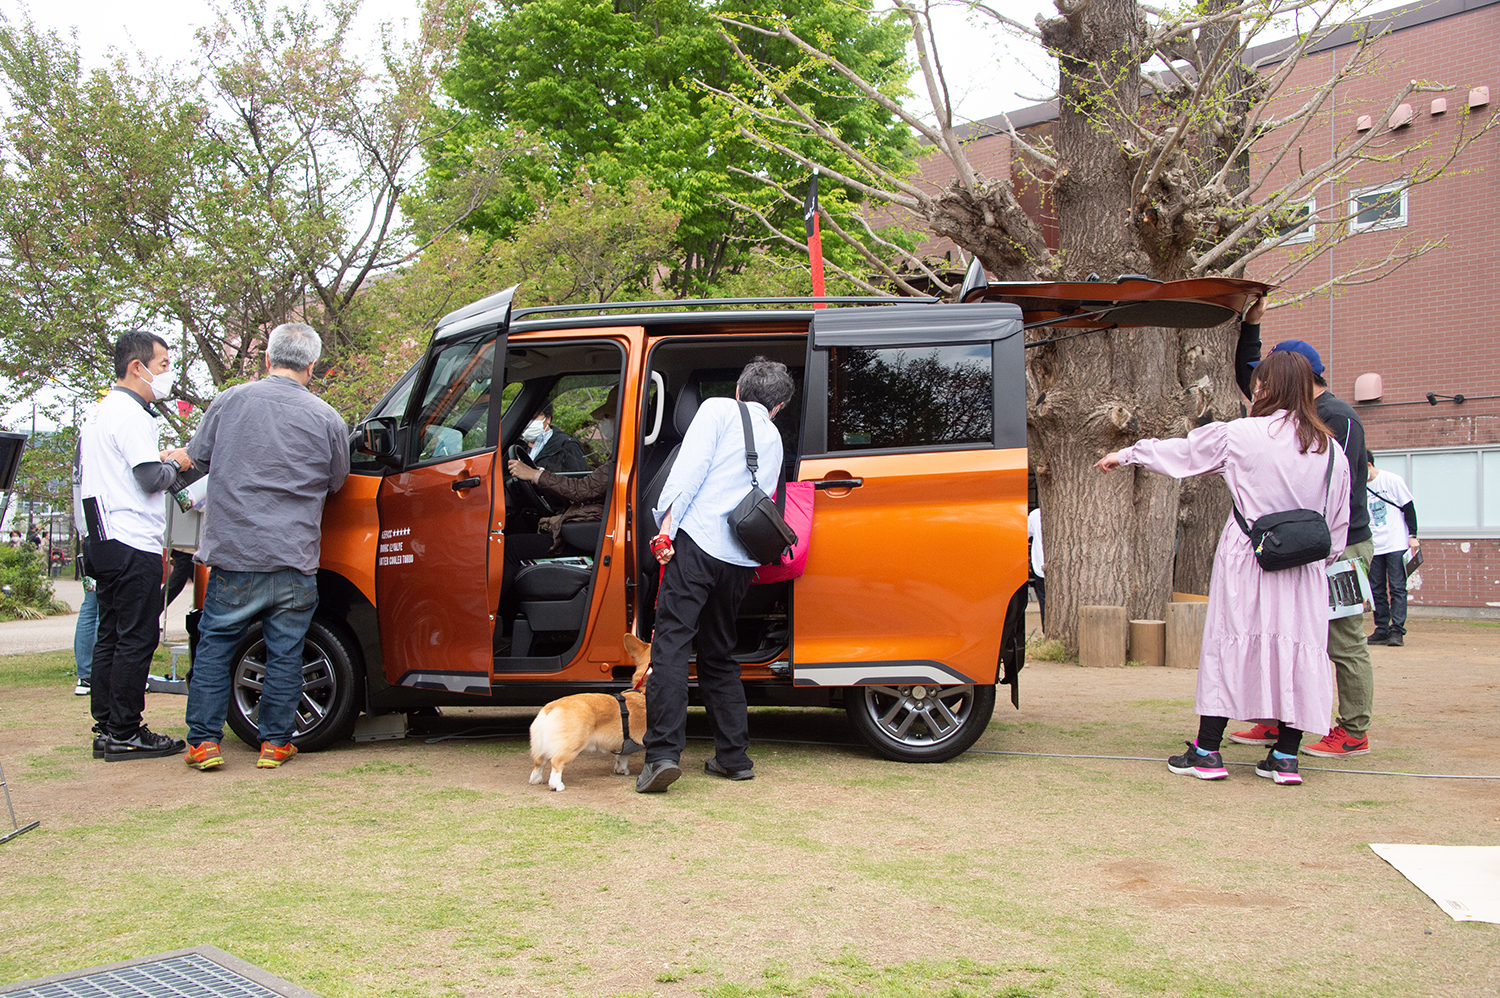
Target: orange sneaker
1339, 743
1261, 734
272, 756
204, 756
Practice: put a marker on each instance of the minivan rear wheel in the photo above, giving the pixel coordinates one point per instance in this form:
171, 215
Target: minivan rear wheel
920, 723
328, 707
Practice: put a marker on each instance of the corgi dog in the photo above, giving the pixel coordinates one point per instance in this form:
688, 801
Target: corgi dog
592, 722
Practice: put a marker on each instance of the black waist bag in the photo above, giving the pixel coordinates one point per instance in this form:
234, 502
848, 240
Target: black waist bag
756, 521
1294, 537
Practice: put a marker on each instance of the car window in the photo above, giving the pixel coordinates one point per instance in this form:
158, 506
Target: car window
574, 398
454, 417
910, 396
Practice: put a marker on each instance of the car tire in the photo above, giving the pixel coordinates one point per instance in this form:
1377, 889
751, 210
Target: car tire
915, 723
329, 704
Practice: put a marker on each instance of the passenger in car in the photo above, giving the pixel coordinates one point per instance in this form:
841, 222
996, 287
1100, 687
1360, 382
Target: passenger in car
551, 448
583, 494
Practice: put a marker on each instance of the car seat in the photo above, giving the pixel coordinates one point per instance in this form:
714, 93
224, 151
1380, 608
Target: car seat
551, 597
682, 417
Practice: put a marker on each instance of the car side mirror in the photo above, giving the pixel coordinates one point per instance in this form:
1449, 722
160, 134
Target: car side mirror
377, 438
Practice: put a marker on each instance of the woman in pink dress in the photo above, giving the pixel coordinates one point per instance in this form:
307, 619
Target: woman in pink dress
1265, 644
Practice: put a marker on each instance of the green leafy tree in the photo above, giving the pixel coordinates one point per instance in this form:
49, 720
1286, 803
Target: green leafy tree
213, 202
625, 90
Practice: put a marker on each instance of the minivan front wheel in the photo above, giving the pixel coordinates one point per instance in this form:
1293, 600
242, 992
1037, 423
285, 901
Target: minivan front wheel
328, 707
920, 723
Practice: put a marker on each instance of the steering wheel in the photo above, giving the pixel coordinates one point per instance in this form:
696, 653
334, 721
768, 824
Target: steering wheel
527, 494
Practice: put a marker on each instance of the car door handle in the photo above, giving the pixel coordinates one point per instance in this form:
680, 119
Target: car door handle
464, 484
839, 483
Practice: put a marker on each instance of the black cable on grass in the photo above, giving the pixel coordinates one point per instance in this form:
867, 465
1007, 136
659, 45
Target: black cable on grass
466, 735
1306, 769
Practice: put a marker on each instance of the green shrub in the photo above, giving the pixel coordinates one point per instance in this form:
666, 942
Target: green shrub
25, 591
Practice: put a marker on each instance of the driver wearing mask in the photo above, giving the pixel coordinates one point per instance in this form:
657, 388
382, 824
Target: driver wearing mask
551, 448
574, 491
583, 495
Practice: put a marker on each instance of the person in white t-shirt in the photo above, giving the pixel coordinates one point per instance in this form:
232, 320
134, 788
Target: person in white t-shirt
1393, 527
1038, 561
124, 476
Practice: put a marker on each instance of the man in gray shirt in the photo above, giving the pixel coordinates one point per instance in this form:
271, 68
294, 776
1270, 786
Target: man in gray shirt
274, 452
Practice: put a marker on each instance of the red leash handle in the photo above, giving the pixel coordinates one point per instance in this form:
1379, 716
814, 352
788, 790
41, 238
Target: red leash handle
660, 543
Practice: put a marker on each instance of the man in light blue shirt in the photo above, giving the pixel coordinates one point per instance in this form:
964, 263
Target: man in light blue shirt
707, 575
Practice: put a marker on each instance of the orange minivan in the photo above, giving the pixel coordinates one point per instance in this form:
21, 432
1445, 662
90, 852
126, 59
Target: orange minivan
909, 418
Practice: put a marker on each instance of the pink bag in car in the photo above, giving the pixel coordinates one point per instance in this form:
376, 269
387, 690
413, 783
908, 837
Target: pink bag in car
798, 513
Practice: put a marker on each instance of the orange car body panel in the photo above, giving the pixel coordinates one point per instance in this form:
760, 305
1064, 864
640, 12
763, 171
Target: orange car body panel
903, 570
351, 526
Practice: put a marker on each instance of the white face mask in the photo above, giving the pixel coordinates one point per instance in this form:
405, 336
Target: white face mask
607, 430
160, 385
533, 430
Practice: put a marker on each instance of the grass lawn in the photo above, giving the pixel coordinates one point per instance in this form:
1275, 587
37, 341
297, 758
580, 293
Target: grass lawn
406, 868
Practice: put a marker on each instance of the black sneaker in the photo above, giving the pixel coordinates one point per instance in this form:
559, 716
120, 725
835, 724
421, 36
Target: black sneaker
100, 741
1396, 639
712, 766
1378, 638
1283, 772
83, 689
144, 744
1194, 763
656, 777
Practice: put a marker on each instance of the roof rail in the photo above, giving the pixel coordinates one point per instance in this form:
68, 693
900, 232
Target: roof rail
719, 302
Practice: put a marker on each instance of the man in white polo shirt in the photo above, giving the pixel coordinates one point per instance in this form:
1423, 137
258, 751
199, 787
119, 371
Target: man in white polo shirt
123, 507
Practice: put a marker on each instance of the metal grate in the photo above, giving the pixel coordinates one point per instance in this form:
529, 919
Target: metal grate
184, 975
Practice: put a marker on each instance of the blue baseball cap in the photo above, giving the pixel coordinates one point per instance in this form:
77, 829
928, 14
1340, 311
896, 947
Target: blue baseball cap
1302, 347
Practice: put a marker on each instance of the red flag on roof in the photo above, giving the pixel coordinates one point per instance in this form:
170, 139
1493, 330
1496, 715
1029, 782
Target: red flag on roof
814, 237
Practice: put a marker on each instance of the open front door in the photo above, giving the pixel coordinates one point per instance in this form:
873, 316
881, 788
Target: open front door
915, 430
438, 564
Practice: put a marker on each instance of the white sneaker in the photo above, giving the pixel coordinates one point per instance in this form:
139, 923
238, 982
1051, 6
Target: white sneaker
82, 689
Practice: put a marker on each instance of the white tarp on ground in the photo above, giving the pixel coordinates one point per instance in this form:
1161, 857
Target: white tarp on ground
1463, 880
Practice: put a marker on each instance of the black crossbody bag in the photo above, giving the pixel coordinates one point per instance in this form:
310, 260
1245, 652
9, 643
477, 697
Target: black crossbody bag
1292, 538
757, 521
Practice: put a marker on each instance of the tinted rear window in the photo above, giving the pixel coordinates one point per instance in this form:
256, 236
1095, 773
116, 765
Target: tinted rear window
910, 396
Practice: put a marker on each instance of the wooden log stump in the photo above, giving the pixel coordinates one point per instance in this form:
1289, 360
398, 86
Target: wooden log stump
1148, 642
1101, 636
1184, 634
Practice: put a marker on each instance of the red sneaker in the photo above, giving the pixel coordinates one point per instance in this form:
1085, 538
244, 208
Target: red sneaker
1261, 734
1339, 743
272, 756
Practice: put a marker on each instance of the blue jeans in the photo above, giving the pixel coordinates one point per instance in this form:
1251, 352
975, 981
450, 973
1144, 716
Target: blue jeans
85, 634
283, 602
1388, 571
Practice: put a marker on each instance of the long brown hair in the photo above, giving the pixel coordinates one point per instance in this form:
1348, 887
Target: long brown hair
1284, 380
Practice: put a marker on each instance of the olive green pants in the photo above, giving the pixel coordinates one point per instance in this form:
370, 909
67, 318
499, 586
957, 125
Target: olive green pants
1351, 659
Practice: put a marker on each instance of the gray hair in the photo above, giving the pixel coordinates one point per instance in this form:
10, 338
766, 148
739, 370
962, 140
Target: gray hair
766, 382
293, 345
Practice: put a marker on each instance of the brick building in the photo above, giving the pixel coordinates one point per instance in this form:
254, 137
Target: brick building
1430, 331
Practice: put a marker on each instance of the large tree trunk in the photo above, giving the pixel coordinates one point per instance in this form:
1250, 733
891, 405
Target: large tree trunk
1108, 538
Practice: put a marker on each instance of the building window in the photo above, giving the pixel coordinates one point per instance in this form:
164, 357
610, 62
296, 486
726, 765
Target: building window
1295, 214
1457, 492
1375, 208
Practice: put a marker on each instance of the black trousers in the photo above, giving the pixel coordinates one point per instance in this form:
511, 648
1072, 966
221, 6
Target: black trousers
700, 599
130, 607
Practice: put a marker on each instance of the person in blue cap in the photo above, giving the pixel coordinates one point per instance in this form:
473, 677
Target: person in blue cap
1346, 635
